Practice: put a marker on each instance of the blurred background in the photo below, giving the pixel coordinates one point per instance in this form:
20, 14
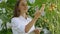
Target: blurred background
49, 22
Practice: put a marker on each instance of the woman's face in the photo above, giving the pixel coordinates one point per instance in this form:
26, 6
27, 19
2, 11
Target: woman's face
23, 6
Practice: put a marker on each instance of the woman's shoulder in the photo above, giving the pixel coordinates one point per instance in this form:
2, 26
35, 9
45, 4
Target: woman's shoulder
29, 18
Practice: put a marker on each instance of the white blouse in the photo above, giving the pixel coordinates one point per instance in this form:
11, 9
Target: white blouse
19, 23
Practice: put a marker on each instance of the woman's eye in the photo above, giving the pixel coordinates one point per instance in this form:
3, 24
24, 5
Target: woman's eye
24, 4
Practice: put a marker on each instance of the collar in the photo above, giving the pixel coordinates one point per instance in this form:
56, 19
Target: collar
21, 17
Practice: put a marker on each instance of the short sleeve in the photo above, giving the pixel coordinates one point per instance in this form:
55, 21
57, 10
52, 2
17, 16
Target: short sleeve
18, 25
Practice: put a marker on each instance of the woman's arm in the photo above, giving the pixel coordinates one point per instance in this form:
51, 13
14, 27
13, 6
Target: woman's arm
37, 15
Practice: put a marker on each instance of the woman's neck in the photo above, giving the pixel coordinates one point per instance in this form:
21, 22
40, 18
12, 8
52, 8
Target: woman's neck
24, 15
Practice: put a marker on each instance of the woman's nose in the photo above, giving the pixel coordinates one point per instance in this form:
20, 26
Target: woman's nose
26, 7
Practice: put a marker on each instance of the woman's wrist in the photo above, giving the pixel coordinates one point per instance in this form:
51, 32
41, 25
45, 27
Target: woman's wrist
35, 18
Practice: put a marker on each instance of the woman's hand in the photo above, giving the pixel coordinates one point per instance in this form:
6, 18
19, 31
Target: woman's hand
38, 12
36, 31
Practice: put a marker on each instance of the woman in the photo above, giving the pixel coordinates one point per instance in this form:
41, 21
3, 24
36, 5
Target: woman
21, 23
